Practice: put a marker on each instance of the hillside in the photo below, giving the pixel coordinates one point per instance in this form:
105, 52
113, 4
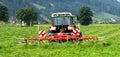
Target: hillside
105, 18
46, 7
109, 47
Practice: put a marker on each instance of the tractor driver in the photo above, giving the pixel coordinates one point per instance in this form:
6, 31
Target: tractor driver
64, 21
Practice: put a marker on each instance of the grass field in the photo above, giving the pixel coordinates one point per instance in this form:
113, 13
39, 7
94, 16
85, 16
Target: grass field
109, 47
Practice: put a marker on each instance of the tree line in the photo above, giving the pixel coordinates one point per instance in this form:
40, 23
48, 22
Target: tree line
28, 15
109, 6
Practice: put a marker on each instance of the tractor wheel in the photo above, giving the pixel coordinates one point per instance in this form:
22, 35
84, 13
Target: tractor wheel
50, 41
80, 34
74, 40
58, 41
49, 32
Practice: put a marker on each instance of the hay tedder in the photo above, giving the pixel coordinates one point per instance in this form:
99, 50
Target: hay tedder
63, 29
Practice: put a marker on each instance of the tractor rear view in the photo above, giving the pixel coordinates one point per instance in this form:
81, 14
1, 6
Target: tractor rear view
62, 22
63, 25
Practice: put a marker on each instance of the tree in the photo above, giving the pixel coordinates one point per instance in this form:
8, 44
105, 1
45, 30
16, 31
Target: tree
85, 15
28, 15
3, 13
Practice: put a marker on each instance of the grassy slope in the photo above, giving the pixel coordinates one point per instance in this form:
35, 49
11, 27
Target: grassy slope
104, 16
109, 47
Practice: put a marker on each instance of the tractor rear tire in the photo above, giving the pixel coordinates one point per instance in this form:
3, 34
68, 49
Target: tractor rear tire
80, 34
74, 40
58, 41
50, 41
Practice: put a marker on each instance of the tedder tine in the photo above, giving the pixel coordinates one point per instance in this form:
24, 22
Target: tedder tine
21, 40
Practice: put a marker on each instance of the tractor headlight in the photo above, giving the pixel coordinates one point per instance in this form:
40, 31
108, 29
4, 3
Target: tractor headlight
69, 28
52, 28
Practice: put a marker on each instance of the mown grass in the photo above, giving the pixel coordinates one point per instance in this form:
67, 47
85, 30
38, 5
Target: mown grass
109, 47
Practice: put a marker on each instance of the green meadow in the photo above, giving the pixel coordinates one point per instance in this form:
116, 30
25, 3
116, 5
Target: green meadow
108, 47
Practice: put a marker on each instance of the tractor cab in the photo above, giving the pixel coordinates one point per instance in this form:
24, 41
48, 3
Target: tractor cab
62, 19
61, 22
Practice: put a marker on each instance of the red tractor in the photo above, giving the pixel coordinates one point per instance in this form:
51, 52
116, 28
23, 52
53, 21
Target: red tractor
63, 23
